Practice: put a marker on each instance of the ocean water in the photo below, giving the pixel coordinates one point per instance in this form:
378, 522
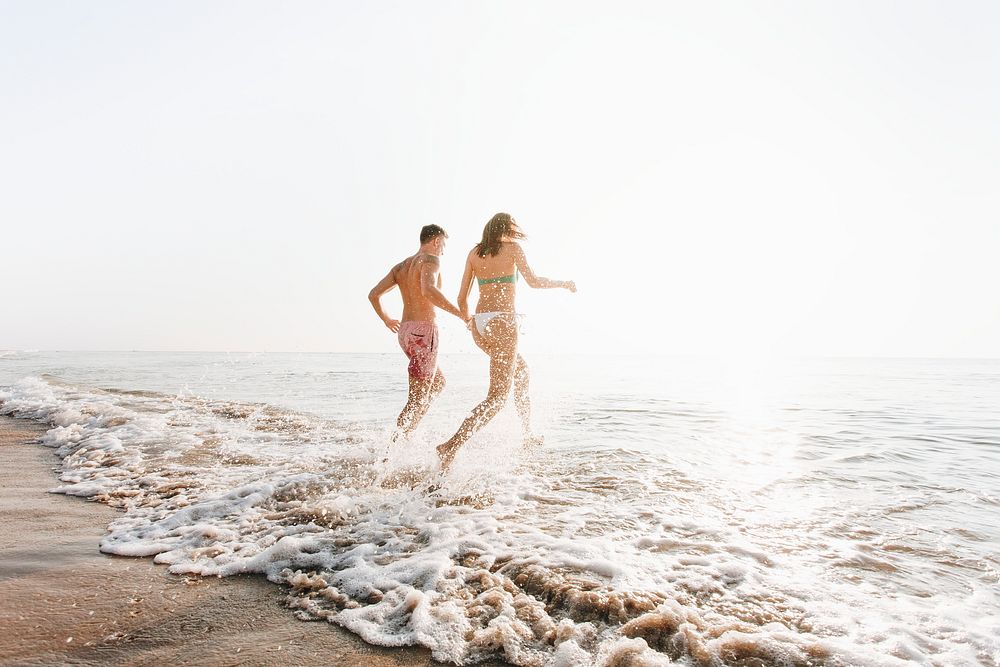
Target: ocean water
680, 511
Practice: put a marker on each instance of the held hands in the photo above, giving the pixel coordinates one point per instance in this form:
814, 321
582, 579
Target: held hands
392, 324
465, 316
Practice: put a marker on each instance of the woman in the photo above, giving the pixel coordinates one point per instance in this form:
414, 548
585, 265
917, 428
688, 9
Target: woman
494, 263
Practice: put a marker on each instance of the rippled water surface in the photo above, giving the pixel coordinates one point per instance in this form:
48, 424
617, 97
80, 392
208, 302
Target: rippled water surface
828, 512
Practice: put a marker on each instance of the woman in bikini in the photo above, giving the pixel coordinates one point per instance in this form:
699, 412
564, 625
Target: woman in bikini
494, 263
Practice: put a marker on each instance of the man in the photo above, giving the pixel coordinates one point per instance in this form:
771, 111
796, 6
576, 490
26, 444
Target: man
419, 281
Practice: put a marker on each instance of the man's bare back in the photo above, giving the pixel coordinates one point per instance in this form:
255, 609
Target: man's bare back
408, 274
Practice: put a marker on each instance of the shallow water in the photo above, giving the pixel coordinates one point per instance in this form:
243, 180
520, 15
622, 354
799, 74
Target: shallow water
814, 512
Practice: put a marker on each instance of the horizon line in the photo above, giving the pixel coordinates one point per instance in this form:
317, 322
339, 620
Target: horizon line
696, 355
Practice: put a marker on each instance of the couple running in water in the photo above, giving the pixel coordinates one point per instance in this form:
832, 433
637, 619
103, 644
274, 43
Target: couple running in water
494, 263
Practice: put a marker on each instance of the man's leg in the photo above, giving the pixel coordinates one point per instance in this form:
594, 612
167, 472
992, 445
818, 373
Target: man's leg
416, 406
426, 380
437, 385
422, 394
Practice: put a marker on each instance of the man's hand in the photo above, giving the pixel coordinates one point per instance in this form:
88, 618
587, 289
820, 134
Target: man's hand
392, 324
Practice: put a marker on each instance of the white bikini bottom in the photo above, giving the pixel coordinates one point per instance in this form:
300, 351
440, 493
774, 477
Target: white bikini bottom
483, 320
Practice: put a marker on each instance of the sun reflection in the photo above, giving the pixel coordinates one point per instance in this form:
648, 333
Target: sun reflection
755, 394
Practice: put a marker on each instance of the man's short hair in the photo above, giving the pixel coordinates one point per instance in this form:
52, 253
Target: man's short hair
431, 232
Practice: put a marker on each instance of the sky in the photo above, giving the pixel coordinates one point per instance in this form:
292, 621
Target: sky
732, 178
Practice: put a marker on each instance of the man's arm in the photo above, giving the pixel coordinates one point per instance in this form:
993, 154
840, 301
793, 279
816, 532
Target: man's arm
428, 287
375, 296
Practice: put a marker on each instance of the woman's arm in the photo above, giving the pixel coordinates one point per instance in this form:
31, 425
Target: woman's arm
537, 282
465, 288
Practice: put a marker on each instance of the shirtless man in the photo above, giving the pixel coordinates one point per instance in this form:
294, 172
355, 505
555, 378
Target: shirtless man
419, 282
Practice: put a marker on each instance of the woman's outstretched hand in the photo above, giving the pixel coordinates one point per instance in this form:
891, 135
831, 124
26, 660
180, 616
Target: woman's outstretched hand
570, 285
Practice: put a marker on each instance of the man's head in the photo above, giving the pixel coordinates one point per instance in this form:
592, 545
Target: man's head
432, 239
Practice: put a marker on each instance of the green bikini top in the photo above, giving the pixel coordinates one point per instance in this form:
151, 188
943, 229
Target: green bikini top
512, 278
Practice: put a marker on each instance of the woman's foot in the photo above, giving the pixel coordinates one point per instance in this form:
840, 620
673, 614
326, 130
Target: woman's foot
533, 440
446, 453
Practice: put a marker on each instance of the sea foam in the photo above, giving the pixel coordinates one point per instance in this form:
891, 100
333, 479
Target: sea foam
582, 565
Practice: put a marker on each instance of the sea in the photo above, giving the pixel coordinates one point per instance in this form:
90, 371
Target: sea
688, 511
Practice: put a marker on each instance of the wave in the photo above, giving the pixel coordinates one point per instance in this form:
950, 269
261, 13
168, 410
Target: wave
477, 565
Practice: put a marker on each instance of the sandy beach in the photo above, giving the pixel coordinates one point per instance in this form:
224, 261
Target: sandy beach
64, 602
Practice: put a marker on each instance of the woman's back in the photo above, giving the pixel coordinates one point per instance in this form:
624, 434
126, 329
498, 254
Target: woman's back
496, 276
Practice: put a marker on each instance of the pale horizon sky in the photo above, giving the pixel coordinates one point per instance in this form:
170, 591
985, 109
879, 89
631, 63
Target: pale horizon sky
726, 178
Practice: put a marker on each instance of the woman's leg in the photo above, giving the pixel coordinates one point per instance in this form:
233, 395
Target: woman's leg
501, 344
522, 401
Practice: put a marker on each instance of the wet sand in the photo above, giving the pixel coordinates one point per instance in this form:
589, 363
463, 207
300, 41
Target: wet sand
64, 602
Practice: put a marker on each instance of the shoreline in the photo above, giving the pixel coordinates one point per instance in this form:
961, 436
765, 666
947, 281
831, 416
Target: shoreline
63, 601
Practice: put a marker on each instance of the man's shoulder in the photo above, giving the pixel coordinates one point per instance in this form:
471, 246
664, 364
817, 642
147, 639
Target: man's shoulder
415, 262
409, 261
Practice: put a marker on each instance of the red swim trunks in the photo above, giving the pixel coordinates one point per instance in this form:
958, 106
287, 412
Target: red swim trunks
419, 341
